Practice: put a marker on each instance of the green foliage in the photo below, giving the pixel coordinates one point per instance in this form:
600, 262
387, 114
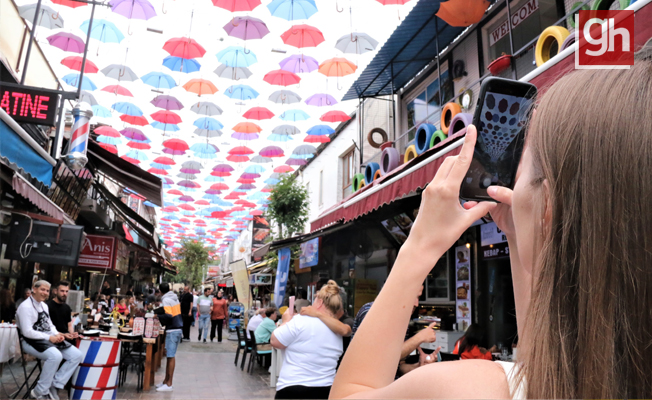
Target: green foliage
288, 206
194, 261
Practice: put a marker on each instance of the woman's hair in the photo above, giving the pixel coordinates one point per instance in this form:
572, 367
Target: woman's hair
123, 300
329, 294
5, 298
588, 331
472, 337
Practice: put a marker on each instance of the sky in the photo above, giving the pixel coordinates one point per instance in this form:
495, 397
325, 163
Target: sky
142, 50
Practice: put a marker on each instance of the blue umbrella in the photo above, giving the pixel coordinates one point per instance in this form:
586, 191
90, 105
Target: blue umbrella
294, 115
165, 127
101, 111
292, 9
271, 181
125, 107
275, 137
241, 92
160, 166
320, 130
149, 204
159, 80
208, 123
179, 64
211, 178
104, 31
137, 155
258, 196
254, 169
109, 140
234, 56
72, 79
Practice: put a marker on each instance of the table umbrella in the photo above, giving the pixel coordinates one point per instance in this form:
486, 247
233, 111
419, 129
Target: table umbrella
233, 73
292, 9
261, 160
200, 86
159, 80
107, 131
104, 31
166, 117
167, 102
87, 97
109, 140
206, 108
241, 151
208, 133
75, 63
138, 145
284, 97
282, 78
72, 79
335, 116
184, 47
247, 127
175, 144
294, 115
317, 139
179, 64
234, 56
133, 9
136, 134
117, 89
321, 100
208, 123
119, 72
302, 36
319, 130
48, 18
299, 63
165, 127
258, 113
271, 151
124, 107
241, 92
237, 158
134, 120
237, 5
356, 43
67, 42
246, 28
244, 136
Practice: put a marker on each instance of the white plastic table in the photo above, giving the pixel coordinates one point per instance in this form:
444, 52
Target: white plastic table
9, 346
275, 368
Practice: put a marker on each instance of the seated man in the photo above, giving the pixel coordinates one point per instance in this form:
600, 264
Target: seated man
255, 321
42, 340
60, 312
264, 331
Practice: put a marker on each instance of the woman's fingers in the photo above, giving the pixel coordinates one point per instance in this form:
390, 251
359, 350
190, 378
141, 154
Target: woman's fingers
480, 210
469, 205
463, 161
501, 194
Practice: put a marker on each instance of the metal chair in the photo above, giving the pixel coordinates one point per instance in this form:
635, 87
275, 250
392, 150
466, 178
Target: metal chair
241, 343
26, 384
133, 355
255, 354
247, 348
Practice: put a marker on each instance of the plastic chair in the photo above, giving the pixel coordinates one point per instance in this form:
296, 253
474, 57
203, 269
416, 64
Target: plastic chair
255, 354
26, 384
132, 355
241, 343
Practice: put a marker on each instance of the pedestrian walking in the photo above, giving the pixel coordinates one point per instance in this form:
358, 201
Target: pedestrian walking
218, 315
194, 307
186, 311
173, 322
205, 305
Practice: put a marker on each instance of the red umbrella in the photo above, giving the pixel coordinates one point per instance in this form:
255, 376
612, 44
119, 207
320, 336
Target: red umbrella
117, 89
106, 131
170, 209
244, 180
75, 63
221, 173
236, 158
220, 186
139, 146
183, 47
256, 212
130, 119
258, 113
109, 147
69, 3
157, 171
166, 117
335, 116
175, 192
232, 196
219, 214
237, 5
165, 161
187, 207
131, 160
317, 139
239, 151
302, 36
176, 144
282, 78
202, 203
283, 168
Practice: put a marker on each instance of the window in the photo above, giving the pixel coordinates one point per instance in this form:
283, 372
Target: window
437, 285
321, 188
348, 170
424, 107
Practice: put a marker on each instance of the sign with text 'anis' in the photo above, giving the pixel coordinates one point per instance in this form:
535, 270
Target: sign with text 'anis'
98, 252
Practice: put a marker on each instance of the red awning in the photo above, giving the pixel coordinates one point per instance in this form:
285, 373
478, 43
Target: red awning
409, 177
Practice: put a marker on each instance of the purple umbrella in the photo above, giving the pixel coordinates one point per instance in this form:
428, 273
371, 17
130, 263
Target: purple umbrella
67, 42
133, 133
271, 151
321, 100
167, 102
213, 191
190, 171
247, 175
133, 9
223, 168
185, 198
188, 184
246, 186
244, 136
299, 63
296, 161
246, 28
173, 152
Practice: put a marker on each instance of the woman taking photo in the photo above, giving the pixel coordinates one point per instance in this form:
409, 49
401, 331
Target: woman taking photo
579, 228
311, 349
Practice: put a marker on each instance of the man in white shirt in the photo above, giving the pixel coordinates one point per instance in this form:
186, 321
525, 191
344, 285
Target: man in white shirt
42, 340
194, 307
255, 321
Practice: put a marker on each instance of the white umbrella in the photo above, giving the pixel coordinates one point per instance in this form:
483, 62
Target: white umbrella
284, 97
233, 73
356, 43
49, 18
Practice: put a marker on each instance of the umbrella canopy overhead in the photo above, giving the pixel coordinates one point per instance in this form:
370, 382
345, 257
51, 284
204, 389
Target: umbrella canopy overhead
47, 18
356, 43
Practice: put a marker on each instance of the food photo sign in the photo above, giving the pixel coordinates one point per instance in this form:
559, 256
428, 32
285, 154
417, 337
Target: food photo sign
463, 287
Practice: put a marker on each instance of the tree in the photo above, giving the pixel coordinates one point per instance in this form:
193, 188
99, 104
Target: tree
194, 259
288, 206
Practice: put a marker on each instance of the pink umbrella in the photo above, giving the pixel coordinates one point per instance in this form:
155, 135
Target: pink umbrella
184, 47
202, 202
282, 169
139, 146
157, 171
246, 180
131, 160
223, 168
237, 159
282, 78
175, 144
258, 113
167, 102
135, 134
271, 151
213, 191
220, 186
188, 184
175, 192
166, 117
302, 36
256, 212
186, 206
249, 175
109, 147
67, 42
244, 136
335, 116
117, 89
241, 151
107, 131
173, 152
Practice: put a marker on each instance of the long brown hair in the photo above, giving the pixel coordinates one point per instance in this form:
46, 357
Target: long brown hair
588, 332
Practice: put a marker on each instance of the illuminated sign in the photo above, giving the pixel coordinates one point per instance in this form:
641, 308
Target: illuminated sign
29, 105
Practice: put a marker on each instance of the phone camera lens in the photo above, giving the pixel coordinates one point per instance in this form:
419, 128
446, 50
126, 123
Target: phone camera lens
485, 180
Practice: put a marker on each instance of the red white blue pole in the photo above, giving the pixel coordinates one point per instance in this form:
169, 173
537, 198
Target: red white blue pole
76, 157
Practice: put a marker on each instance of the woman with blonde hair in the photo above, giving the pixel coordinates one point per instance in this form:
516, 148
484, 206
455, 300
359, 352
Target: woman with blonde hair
579, 227
311, 349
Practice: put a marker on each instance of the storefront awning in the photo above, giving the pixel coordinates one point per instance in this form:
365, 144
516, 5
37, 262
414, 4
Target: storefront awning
25, 189
414, 175
133, 177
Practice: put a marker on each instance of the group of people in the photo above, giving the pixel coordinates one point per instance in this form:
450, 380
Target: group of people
204, 308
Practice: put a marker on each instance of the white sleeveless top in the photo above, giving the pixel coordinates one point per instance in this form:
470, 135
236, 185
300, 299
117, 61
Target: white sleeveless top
516, 389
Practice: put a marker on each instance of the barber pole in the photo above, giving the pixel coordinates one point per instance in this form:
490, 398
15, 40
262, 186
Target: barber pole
76, 157
97, 374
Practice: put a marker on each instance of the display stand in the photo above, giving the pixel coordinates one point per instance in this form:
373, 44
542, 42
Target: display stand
236, 318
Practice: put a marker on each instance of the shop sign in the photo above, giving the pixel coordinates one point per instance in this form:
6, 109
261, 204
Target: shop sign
518, 16
29, 105
260, 279
97, 252
463, 290
122, 258
213, 270
229, 283
309, 253
493, 242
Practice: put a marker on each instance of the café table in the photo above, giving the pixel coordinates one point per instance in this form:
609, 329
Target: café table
9, 346
275, 368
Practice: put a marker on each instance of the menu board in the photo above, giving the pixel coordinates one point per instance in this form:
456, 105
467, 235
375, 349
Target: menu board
463, 291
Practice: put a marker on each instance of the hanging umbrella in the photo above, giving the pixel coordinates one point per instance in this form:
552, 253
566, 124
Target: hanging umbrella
204, 148
241, 151
173, 152
137, 155
200, 86
104, 31
462, 13
134, 120
294, 115
117, 89
207, 133
164, 161
282, 78
125, 107
190, 177
87, 97
134, 134
258, 113
237, 158
133, 9
295, 161
189, 166
167, 102
160, 166
131, 160
206, 108
166, 117
165, 127
283, 169
234, 56
159, 80
109, 140
175, 144
237, 5
188, 184
271, 151
69, 3
284, 97
179, 64
317, 139
208, 123
337, 67
261, 160
48, 18
299, 63
321, 100
109, 147
254, 169
247, 127
75, 63
304, 149
302, 36
275, 137
119, 72
67, 42
292, 9
319, 130
286, 130
72, 79
139, 145
184, 47
233, 73
356, 43
246, 28
107, 131
335, 116
241, 92
223, 168
244, 136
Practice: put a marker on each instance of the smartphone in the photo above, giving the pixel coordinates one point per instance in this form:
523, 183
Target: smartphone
291, 305
501, 117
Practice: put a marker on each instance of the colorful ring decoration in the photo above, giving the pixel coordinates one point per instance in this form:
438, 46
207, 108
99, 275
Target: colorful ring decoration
422, 137
410, 153
569, 41
357, 178
378, 174
369, 172
437, 138
459, 122
362, 184
549, 36
450, 110
370, 137
389, 159
571, 18
605, 5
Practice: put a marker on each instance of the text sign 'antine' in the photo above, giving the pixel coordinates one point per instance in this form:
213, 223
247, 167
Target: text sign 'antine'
29, 105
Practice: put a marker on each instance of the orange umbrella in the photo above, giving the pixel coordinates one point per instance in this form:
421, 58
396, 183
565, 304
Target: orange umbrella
200, 86
462, 13
337, 67
247, 127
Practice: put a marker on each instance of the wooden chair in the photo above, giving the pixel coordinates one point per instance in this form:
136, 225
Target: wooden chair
241, 343
255, 353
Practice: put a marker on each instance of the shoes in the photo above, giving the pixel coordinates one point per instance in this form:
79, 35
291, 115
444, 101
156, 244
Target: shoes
199, 336
54, 393
165, 388
40, 397
158, 385
211, 340
205, 340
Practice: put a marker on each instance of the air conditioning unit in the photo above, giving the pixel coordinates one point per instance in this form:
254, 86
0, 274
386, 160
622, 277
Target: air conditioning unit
96, 213
76, 300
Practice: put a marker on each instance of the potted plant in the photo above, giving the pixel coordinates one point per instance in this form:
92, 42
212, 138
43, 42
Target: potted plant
500, 64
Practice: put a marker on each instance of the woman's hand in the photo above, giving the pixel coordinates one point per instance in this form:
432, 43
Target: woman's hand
442, 219
502, 214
